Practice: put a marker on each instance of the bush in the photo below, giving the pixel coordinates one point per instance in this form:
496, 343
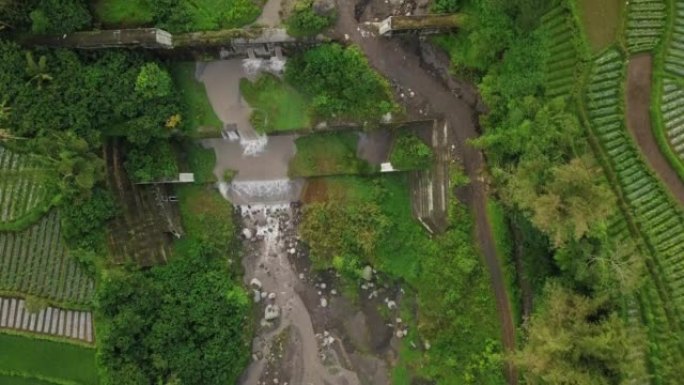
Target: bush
411, 153
446, 6
152, 162
153, 82
341, 83
83, 222
305, 21
59, 16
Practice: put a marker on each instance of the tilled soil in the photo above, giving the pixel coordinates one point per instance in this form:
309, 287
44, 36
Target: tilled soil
639, 75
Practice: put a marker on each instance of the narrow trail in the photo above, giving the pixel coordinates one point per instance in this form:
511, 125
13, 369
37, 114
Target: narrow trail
403, 67
638, 99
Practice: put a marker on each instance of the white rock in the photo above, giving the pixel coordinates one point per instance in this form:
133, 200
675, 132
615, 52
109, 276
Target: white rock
367, 273
391, 305
271, 295
247, 233
301, 275
324, 302
333, 292
427, 345
255, 283
271, 312
399, 334
257, 296
398, 320
292, 251
323, 286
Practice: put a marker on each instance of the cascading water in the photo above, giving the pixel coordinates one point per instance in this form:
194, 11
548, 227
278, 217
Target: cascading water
271, 191
253, 146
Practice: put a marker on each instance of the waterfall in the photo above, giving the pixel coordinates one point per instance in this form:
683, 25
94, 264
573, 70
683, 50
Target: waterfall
274, 65
254, 192
253, 146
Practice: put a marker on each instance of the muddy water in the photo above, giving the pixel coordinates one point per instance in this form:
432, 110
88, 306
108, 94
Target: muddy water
286, 350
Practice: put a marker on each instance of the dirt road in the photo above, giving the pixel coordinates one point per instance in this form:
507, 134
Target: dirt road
403, 68
639, 75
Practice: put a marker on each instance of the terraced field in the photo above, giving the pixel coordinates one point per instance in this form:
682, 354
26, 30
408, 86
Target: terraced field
670, 87
646, 21
657, 218
34, 262
561, 68
71, 324
22, 187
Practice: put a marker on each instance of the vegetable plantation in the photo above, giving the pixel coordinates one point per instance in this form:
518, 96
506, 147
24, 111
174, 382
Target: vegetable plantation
22, 186
35, 262
645, 24
657, 218
672, 109
74, 324
561, 66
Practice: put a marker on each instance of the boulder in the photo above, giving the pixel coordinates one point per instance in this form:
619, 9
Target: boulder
255, 283
367, 273
247, 233
271, 312
323, 7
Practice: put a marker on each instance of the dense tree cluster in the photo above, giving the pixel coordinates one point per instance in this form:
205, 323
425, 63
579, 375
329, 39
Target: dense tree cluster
304, 20
183, 323
410, 153
341, 83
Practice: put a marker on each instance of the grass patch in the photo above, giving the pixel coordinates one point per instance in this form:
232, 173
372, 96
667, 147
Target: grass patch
201, 162
123, 13
200, 115
15, 380
601, 20
48, 360
277, 106
208, 217
327, 154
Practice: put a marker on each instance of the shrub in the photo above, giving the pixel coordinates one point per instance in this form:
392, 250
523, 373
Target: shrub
59, 16
153, 82
305, 21
154, 161
410, 153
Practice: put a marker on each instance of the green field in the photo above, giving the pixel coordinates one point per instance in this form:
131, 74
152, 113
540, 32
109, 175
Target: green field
199, 15
53, 361
200, 115
601, 21
35, 262
15, 380
123, 13
327, 154
277, 106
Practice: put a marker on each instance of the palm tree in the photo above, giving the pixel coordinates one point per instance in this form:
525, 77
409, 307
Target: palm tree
37, 71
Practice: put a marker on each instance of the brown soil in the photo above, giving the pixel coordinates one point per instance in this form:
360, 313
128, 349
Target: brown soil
403, 67
639, 75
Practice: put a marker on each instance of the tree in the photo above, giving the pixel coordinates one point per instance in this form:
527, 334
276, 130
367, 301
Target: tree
153, 82
59, 16
340, 82
576, 340
38, 72
305, 21
409, 153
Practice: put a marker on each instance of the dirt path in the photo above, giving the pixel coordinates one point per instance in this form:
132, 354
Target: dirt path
639, 75
403, 68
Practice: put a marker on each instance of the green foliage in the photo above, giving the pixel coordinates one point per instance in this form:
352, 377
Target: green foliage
445, 6
345, 232
305, 21
340, 83
201, 162
410, 153
154, 321
277, 106
154, 161
54, 362
124, 13
574, 339
200, 116
327, 154
207, 218
153, 82
457, 316
185, 16
84, 221
59, 16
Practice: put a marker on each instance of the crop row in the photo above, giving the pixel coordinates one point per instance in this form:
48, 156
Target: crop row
656, 215
672, 109
52, 321
646, 21
657, 218
22, 186
35, 262
562, 64
674, 54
